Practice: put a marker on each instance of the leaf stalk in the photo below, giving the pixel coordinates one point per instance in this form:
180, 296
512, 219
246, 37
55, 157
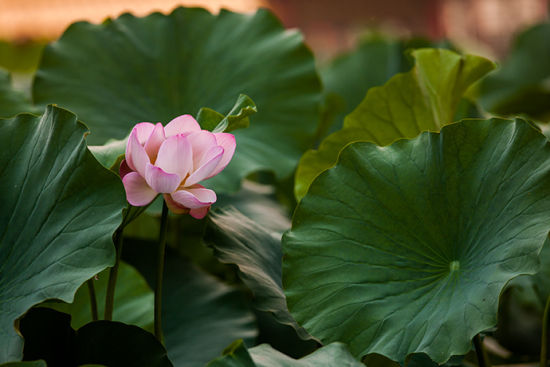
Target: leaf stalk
93, 299
544, 337
113, 273
482, 358
160, 273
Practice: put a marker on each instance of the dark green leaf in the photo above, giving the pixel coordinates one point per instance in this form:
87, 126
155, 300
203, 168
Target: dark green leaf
282, 337
158, 67
521, 309
59, 210
115, 344
386, 242
12, 101
235, 355
521, 85
255, 247
377, 360
423, 99
48, 335
541, 280
24, 364
257, 252
200, 314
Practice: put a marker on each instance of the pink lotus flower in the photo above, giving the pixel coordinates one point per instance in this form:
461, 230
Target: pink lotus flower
171, 160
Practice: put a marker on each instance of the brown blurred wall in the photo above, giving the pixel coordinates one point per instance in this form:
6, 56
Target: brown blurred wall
485, 26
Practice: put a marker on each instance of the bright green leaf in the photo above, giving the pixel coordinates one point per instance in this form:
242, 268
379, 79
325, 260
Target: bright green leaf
208, 118
20, 56
264, 355
133, 300
158, 67
375, 60
423, 99
200, 315
110, 154
59, 210
405, 248
237, 117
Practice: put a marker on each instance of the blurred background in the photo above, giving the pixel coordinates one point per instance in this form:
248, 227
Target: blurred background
331, 28
484, 27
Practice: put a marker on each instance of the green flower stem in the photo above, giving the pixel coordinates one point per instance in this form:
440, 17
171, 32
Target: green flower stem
93, 299
482, 359
160, 272
544, 338
113, 273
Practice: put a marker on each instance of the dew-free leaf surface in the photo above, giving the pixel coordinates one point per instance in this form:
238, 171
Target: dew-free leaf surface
12, 101
158, 67
375, 60
133, 300
405, 248
522, 84
236, 355
423, 99
49, 336
200, 314
257, 252
60, 208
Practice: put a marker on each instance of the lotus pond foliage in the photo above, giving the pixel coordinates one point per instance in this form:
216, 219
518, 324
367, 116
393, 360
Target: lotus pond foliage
204, 193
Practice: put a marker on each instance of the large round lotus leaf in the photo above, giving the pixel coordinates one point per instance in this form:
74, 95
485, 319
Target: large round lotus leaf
59, 210
158, 67
406, 248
